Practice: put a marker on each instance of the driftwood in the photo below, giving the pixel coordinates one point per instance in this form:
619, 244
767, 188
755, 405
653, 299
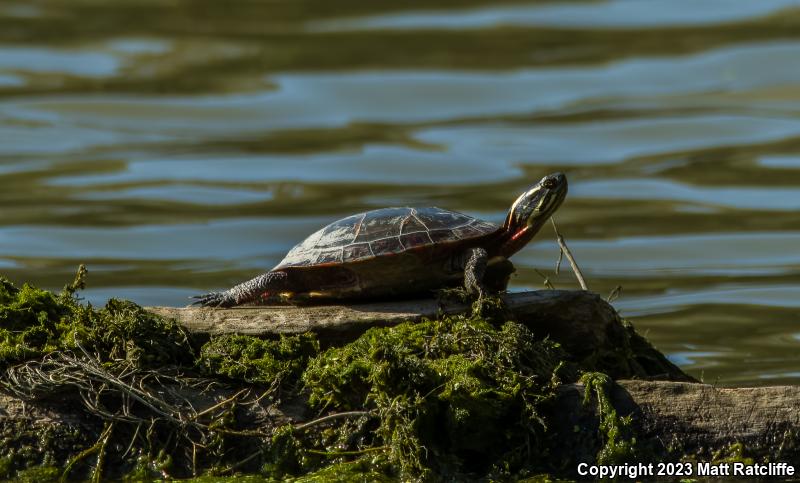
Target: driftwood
679, 419
669, 419
345, 321
586, 326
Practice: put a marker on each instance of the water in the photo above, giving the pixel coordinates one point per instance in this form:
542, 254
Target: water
177, 147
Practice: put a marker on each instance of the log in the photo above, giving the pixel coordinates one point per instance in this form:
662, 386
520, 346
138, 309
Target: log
587, 327
349, 321
672, 420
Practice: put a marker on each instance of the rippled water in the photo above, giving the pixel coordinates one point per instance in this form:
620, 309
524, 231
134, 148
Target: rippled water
180, 146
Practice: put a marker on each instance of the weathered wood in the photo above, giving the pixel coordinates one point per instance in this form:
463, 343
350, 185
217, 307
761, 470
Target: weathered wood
712, 416
586, 326
672, 419
344, 320
349, 320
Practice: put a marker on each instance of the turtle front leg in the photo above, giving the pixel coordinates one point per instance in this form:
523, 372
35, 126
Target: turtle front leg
474, 269
250, 291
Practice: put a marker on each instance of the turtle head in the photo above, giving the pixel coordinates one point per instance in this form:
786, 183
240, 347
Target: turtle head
532, 209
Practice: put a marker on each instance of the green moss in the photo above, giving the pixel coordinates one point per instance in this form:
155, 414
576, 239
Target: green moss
456, 395
456, 398
144, 470
42, 474
363, 469
121, 338
123, 330
35, 322
226, 479
287, 455
255, 360
734, 453
28, 322
6, 467
619, 444
542, 478
25, 447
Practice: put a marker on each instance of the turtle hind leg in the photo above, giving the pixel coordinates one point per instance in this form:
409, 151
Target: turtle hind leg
252, 291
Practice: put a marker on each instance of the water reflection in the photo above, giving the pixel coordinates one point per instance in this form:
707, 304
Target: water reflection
190, 149
692, 254
608, 14
29, 59
780, 161
766, 198
9, 80
770, 295
401, 166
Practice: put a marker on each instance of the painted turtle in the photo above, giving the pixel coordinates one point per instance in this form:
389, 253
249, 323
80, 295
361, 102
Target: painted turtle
399, 251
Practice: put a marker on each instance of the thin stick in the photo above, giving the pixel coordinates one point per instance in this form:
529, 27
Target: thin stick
347, 414
97, 474
220, 404
568, 254
194, 459
133, 440
99, 446
348, 453
614, 295
560, 258
230, 469
547, 283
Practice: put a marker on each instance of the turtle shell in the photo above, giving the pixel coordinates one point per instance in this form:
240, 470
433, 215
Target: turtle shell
384, 232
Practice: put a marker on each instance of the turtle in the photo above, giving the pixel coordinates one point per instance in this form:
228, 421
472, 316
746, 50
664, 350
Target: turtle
393, 252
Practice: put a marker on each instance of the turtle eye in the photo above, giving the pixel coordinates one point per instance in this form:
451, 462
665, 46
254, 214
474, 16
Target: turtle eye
549, 183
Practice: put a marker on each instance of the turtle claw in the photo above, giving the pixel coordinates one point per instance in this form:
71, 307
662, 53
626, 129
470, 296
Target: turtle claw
213, 299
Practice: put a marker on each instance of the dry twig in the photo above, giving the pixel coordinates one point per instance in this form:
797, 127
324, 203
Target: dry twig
330, 417
565, 250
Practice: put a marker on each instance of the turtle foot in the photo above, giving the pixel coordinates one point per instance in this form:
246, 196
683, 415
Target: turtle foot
214, 299
492, 307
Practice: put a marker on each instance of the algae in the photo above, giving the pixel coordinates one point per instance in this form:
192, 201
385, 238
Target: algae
365, 469
250, 359
456, 398
453, 396
36, 322
29, 322
124, 374
619, 444
40, 474
734, 453
107, 364
37, 448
